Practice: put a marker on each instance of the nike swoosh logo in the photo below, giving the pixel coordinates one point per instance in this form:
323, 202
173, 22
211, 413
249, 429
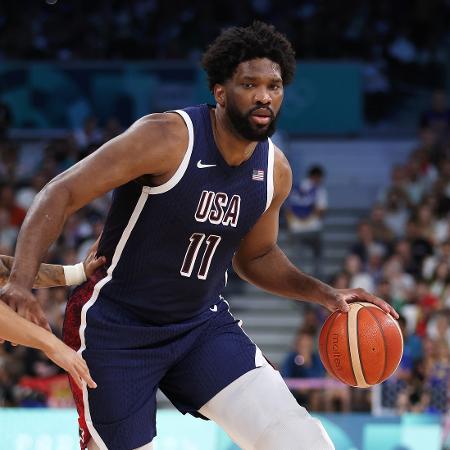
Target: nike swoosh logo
213, 308
204, 166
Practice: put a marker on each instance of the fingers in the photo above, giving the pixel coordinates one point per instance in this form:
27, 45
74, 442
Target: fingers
379, 302
80, 373
98, 262
86, 376
342, 305
77, 379
42, 321
92, 264
34, 314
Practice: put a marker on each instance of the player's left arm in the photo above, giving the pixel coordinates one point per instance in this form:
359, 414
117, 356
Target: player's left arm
261, 262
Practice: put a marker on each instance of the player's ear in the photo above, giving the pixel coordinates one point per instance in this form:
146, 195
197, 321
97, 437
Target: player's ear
219, 94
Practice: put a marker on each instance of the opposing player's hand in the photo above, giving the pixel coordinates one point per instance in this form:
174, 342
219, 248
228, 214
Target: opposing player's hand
92, 262
70, 361
345, 296
24, 303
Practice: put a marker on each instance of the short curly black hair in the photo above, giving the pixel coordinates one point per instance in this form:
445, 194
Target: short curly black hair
238, 44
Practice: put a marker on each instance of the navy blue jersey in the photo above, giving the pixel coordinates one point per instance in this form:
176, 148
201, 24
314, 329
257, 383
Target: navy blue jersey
170, 246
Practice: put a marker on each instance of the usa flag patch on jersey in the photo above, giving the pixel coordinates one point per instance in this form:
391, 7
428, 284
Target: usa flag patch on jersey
258, 175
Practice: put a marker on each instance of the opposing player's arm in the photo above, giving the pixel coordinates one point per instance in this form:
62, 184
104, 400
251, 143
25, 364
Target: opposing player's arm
20, 331
154, 145
49, 275
261, 262
54, 275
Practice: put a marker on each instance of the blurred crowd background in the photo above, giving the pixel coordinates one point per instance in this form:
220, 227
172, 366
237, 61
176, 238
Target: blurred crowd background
403, 44
402, 247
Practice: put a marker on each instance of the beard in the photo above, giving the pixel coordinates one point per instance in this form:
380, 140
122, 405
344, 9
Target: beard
245, 128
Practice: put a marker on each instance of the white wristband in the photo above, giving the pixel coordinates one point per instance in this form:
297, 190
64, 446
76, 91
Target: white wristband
75, 274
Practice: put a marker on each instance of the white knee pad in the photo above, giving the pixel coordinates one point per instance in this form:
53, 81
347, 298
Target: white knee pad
259, 413
294, 432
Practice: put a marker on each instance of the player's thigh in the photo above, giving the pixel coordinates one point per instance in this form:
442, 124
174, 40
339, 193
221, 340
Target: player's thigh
121, 412
259, 413
221, 355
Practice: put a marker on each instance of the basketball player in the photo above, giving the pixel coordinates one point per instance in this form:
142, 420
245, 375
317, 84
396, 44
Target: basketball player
195, 190
16, 329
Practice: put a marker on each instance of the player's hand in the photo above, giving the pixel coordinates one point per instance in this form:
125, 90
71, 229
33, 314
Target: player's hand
93, 262
345, 296
24, 303
70, 361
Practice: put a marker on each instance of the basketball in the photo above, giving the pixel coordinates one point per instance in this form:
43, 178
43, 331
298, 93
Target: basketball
361, 348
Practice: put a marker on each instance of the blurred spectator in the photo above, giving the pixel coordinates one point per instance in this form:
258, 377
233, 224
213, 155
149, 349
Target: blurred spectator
112, 129
8, 160
383, 290
8, 233
27, 192
427, 303
440, 283
397, 212
441, 191
374, 265
304, 362
90, 134
412, 347
381, 231
401, 283
420, 246
440, 253
358, 276
437, 117
397, 185
5, 120
8, 203
341, 280
429, 145
366, 242
306, 206
425, 222
438, 327
416, 185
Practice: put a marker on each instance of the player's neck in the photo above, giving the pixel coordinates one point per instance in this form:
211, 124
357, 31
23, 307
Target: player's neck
233, 148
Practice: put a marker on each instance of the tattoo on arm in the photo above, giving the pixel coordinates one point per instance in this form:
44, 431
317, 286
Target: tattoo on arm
49, 275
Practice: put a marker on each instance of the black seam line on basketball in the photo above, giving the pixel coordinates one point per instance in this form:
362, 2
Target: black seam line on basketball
384, 342
359, 348
349, 350
328, 356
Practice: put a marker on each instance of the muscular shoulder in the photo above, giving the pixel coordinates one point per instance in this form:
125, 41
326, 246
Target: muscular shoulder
282, 178
162, 138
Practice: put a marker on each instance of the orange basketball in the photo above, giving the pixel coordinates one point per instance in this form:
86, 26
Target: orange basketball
362, 347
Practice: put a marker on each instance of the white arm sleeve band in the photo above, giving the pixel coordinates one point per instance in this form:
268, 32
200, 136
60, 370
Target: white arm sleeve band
74, 274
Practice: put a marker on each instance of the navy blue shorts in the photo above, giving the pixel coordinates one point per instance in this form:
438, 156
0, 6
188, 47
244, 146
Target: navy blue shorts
190, 361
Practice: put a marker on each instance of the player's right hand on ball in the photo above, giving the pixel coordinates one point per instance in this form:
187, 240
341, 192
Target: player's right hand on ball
24, 303
70, 361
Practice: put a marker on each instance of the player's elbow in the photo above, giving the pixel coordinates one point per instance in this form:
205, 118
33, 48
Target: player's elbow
55, 195
239, 266
244, 266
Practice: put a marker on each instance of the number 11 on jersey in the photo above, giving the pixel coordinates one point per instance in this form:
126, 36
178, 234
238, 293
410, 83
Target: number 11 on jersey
195, 242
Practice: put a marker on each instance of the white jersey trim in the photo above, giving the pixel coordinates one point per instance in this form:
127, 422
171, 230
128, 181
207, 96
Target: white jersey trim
270, 165
259, 357
115, 259
184, 164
